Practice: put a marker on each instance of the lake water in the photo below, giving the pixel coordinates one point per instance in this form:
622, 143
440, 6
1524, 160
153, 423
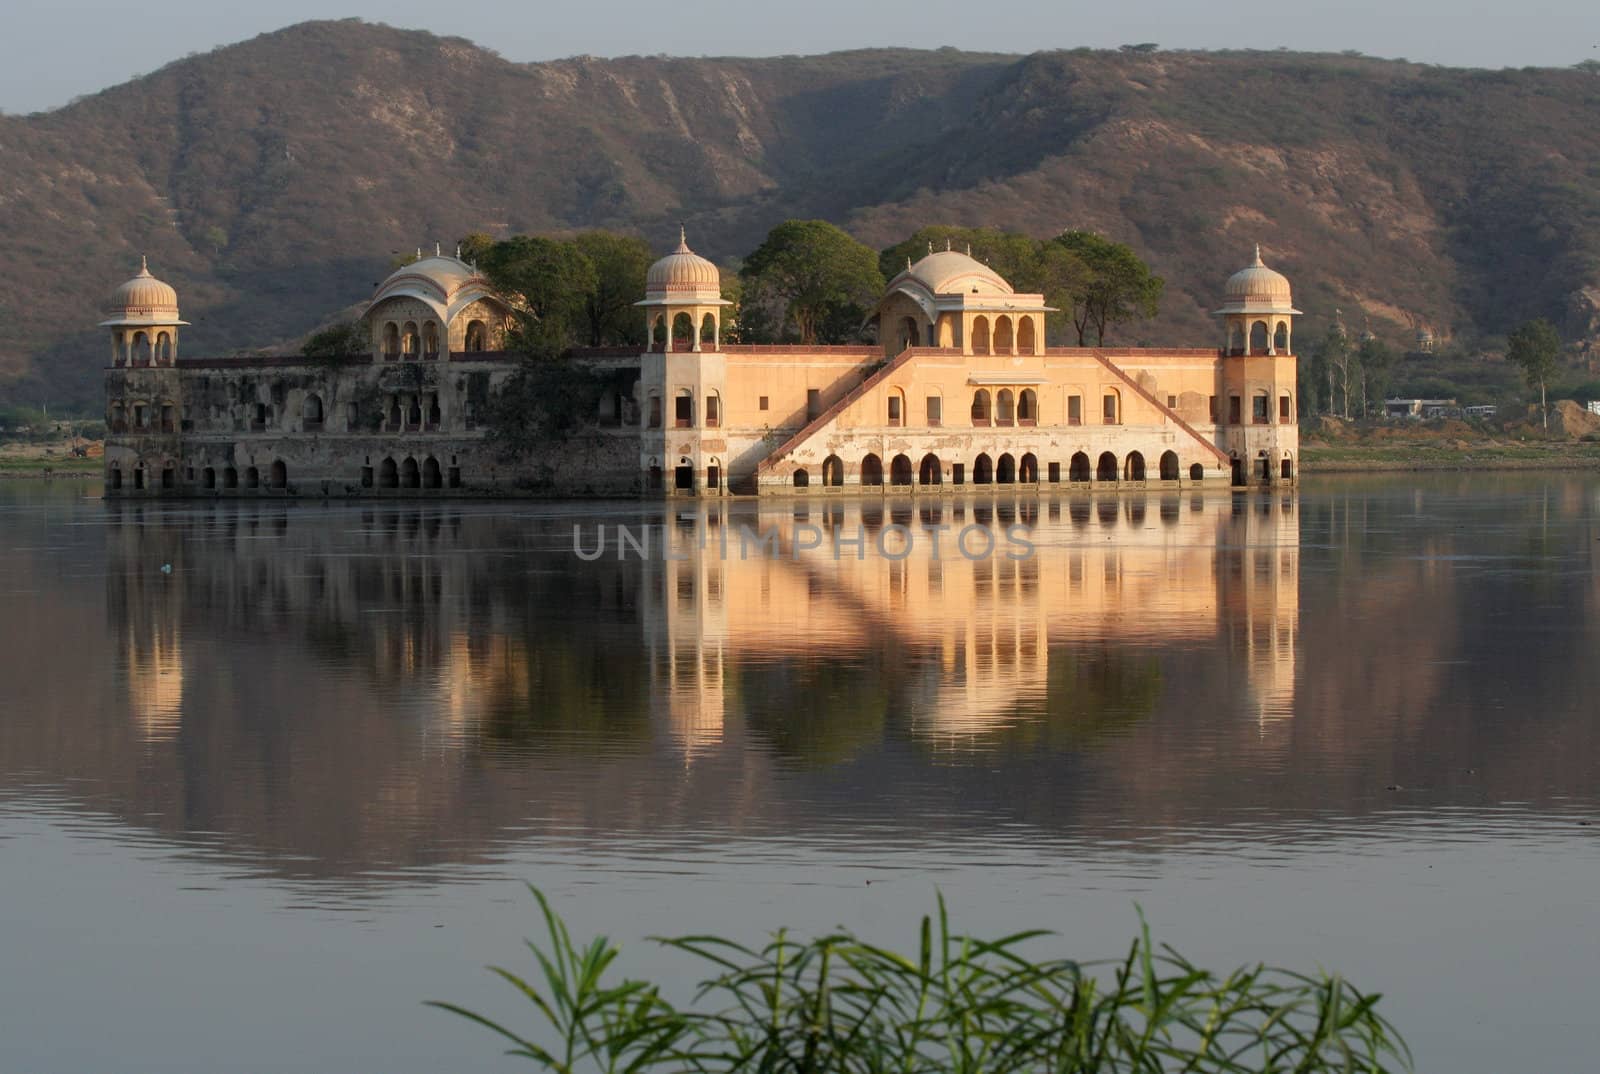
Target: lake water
255, 810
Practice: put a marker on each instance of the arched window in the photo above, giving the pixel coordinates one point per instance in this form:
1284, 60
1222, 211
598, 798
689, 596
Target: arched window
1002, 334
115, 475
1028, 407
683, 409
141, 349
713, 410
1028, 469
410, 474
1258, 338
1026, 341
252, 478
477, 337
408, 340
430, 339
980, 335
983, 470
1286, 471
683, 333
658, 331
872, 471
900, 471
833, 471
1111, 407
1005, 471
653, 411
910, 335
1280, 338
208, 477
230, 478
1235, 338
802, 479
163, 348
1005, 407
388, 475
311, 413
391, 341
980, 407
708, 331
1079, 469
930, 472
432, 477
280, 474
1106, 469
1135, 466
1169, 466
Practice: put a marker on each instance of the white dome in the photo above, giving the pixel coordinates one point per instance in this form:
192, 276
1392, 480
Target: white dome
949, 272
1257, 289
143, 300
683, 275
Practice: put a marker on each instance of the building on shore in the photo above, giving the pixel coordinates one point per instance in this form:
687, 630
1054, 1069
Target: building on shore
960, 389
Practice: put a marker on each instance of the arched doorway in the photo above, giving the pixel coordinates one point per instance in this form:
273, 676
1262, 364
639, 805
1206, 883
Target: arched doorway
208, 477
280, 474
980, 335
833, 471
1258, 338
230, 478
802, 478
477, 337
410, 474
1028, 467
1135, 466
980, 407
252, 478
1005, 471
432, 476
1238, 470
1078, 470
900, 471
1287, 469
1025, 337
1197, 472
1106, 470
983, 470
1002, 334
910, 335
872, 471
1169, 466
930, 472
388, 475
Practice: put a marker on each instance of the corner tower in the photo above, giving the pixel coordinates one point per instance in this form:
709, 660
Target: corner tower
143, 317
1256, 412
682, 377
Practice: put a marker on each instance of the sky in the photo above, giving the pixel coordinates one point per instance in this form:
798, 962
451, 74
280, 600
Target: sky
61, 49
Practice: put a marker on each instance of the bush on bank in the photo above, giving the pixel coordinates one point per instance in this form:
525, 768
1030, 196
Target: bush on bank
958, 1005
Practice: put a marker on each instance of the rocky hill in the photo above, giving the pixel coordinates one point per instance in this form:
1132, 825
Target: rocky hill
274, 181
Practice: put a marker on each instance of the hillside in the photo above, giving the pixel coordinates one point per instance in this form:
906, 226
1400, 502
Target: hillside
273, 181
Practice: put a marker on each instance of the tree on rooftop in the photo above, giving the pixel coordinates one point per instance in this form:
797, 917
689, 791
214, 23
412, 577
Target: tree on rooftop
1119, 286
620, 264
1536, 347
820, 278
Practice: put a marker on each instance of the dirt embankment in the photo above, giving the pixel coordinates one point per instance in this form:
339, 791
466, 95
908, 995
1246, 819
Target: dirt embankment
1331, 445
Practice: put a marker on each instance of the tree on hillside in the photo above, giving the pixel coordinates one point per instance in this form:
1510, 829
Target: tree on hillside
620, 264
1375, 361
1536, 347
338, 341
817, 275
1119, 287
1033, 265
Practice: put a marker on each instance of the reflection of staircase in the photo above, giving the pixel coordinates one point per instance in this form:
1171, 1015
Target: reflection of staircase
1171, 414
811, 427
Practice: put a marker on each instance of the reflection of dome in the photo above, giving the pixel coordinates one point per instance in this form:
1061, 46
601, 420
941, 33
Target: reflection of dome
1257, 289
949, 272
683, 274
144, 298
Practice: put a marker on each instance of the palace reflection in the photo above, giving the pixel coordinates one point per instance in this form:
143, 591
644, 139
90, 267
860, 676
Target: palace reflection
958, 624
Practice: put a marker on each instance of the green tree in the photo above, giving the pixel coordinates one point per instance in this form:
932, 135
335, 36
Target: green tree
1337, 362
1376, 362
1536, 347
543, 402
344, 340
475, 246
620, 263
1117, 288
549, 281
817, 275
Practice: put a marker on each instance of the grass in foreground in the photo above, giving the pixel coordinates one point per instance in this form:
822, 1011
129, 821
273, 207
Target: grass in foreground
959, 1005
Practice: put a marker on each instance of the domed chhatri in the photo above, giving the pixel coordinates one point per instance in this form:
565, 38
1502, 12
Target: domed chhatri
683, 300
1257, 311
951, 299
143, 317
683, 274
435, 305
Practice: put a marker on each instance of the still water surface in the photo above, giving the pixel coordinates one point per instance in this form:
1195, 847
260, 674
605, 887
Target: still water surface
255, 810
